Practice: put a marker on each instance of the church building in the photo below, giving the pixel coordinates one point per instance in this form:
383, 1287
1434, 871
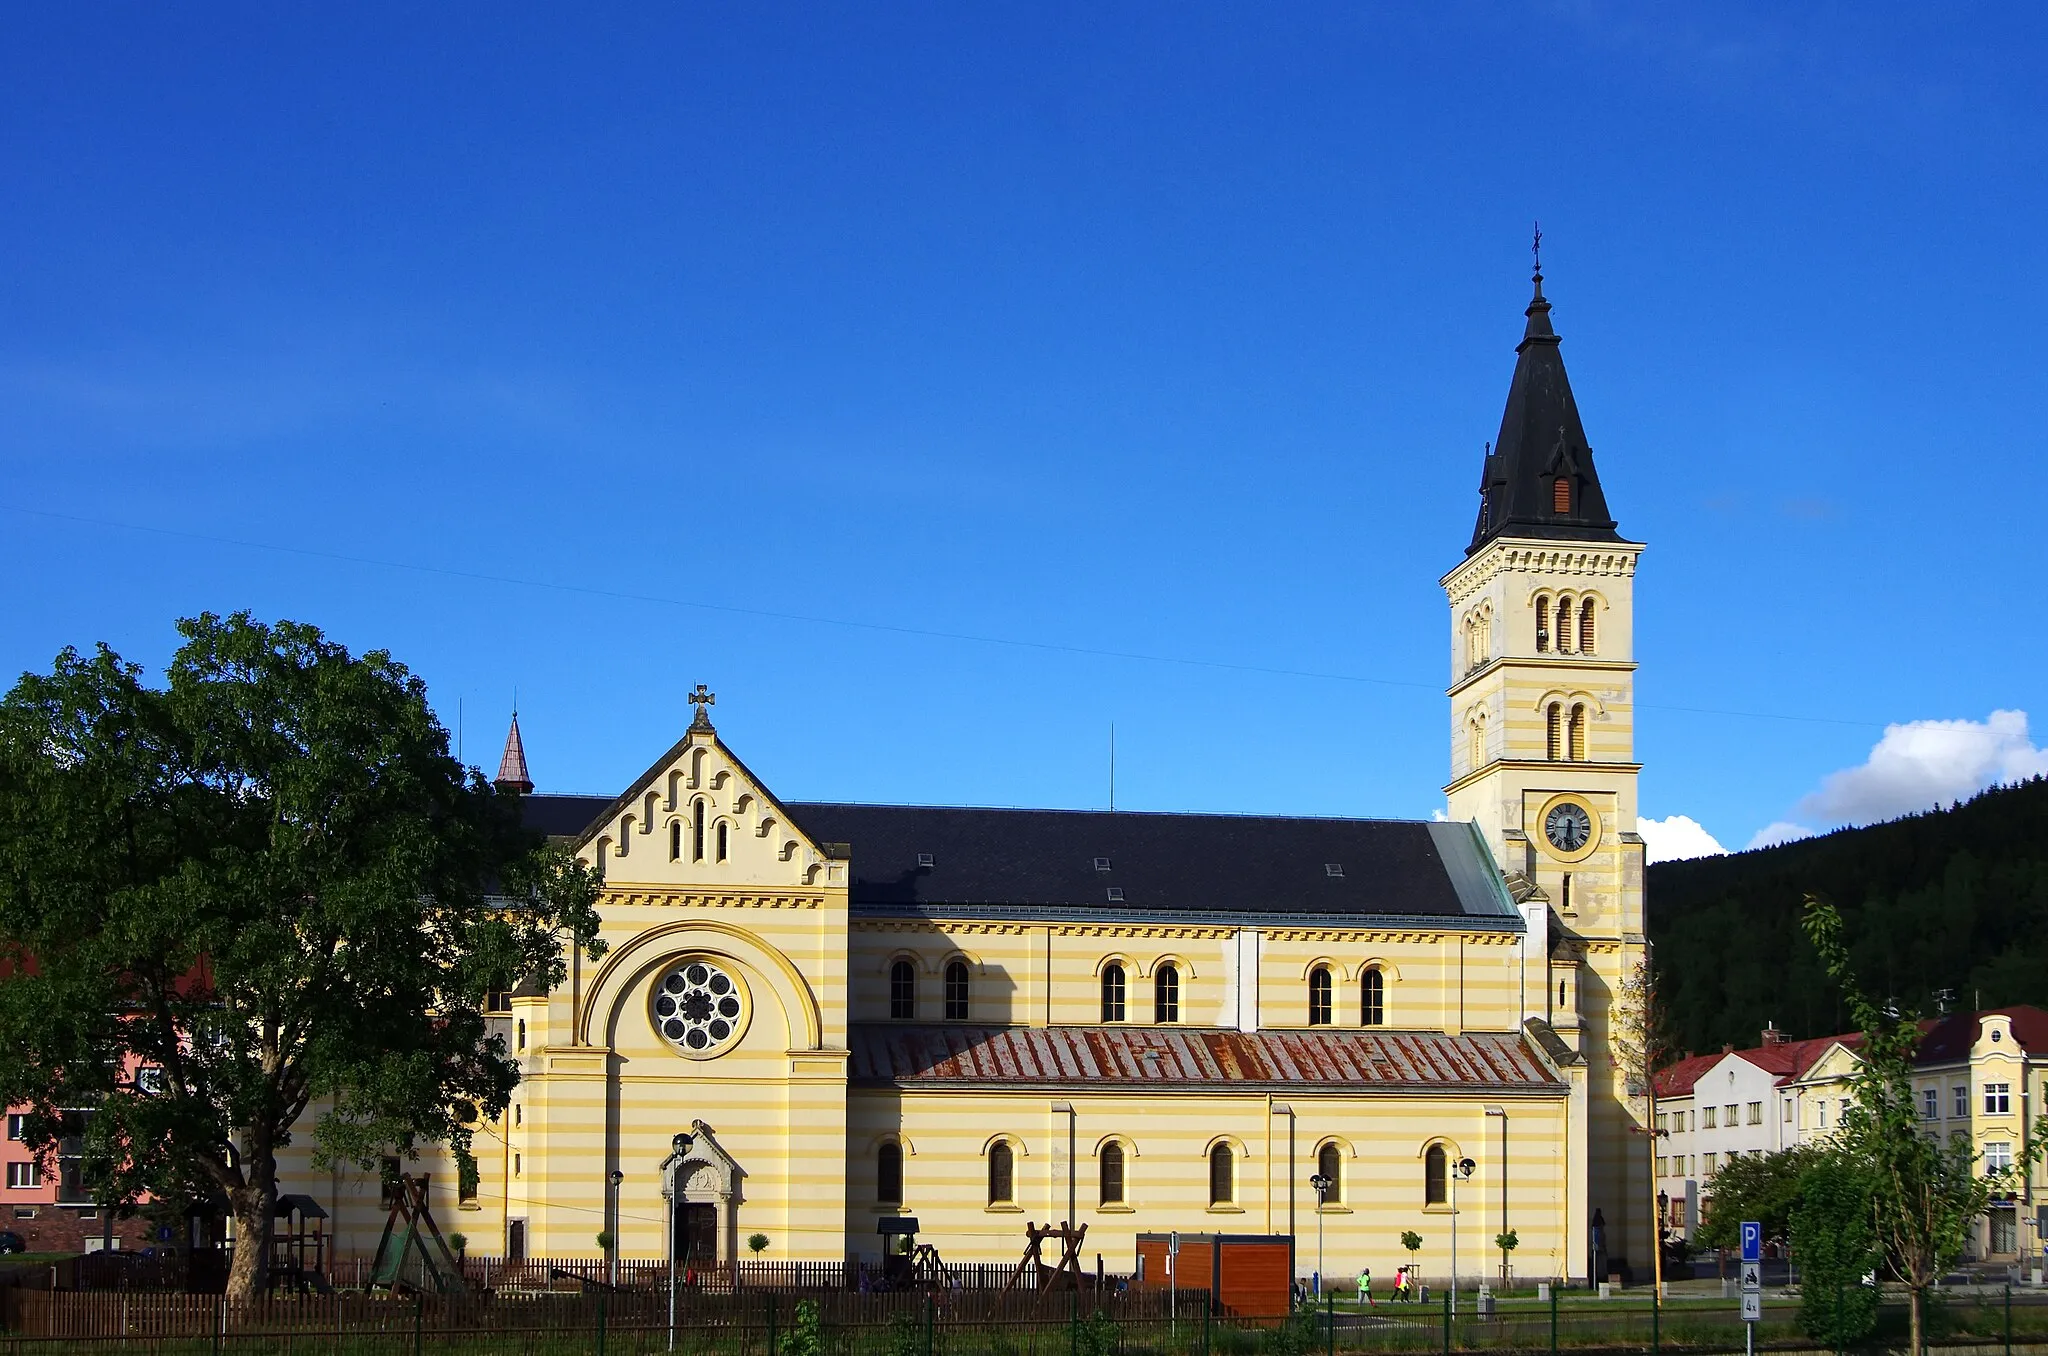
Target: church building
1141, 1022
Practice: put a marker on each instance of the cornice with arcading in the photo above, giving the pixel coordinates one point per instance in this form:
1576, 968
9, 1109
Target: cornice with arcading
926, 928
1605, 562
700, 899
1386, 936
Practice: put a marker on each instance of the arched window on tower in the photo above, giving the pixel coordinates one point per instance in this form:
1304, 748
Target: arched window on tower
1578, 734
1564, 625
1330, 1166
1434, 1190
1002, 1175
1222, 1175
1110, 1174
889, 1174
903, 991
1561, 495
1476, 743
1542, 625
1553, 731
675, 840
721, 840
956, 991
1319, 996
1166, 994
697, 830
1374, 1010
1586, 626
1112, 993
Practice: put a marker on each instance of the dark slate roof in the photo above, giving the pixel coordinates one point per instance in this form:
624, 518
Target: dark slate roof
1159, 862
906, 1055
984, 859
1540, 439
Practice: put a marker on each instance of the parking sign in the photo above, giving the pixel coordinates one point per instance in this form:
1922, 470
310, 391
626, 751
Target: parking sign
1752, 1241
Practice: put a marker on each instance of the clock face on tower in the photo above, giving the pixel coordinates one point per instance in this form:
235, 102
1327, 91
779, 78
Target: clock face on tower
1568, 827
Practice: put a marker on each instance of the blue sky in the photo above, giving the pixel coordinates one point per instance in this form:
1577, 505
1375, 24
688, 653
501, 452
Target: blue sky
943, 384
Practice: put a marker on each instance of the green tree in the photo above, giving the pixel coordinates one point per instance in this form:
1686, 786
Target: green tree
1413, 1242
1762, 1187
1925, 1194
1507, 1243
266, 880
757, 1244
1834, 1237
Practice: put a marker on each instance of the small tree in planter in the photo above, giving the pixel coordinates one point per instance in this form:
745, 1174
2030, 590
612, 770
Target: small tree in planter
757, 1244
1507, 1243
460, 1243
1413, 1242
604, 1242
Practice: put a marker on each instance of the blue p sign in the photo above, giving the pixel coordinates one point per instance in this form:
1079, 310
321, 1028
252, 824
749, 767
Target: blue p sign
1752, 1241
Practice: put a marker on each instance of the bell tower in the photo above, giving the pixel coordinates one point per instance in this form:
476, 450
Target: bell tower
1542, 715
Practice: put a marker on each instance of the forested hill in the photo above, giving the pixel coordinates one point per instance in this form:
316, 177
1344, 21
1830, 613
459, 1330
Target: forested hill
1953, 899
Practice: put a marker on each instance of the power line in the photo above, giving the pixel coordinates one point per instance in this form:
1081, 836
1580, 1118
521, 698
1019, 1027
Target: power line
813, 619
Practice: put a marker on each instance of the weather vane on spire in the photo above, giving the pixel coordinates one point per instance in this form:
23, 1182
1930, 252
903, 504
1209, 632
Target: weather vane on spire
1536, 248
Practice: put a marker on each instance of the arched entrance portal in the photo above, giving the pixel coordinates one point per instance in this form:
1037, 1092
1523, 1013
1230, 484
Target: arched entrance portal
701, 1182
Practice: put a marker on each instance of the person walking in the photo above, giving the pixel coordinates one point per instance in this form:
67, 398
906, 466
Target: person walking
1365, 1287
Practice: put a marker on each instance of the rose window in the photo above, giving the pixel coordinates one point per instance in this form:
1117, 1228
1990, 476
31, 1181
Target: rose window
698, 1007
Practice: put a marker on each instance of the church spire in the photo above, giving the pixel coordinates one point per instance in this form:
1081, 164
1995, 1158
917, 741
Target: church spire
1538, 479
512, 774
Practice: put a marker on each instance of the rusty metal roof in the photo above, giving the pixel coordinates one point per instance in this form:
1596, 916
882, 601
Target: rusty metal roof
909, 1055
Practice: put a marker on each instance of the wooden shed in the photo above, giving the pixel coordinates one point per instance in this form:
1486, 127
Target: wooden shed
1246, 1275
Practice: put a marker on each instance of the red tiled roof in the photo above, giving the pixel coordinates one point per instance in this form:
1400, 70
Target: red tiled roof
1952, 1037
909, 1055
1948, 1039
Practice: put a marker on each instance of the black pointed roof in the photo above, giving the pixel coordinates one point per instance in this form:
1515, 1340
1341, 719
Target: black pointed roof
1540, 440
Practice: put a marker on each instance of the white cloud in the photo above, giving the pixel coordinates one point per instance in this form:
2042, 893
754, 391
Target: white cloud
1676, 838
1776, 832
1923, 763
1439, 817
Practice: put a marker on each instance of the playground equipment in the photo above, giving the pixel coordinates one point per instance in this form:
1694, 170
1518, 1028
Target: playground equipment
1032, 1272
412, 1257
298, 1246
909, 1264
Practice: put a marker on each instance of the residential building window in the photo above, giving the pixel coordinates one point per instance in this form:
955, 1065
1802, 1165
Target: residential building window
1110, 1174
889, 1174
903, 991
1930, 1104
1707, 1115
1663, 1122
23, 1175
1997, 1100
1962, 1100
1166, 994
1821, 1105
1319, 997
1222, 1175
1112, 993
16, 1122
956, 991
1435, 1191
1330, 1163
1375, 1013
1707, 1165
1002, 1175
1756, 1113
1662, 1164
1733, 1117
149, 1080
1788, 1111
1997, 1156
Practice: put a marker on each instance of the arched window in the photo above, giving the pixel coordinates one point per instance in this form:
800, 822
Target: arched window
721, 840
956, 991
1542, 625
1433, 1189
1110, 1173
1564, 626
1330, 1165
1222, 1176
522, 1033
1319, 996
1565, 894
1375, 1007
903, 991
1553, 731
1112, 993
697, 831
1002, 1175
675, 840
604, 850
1586, 626
1577, 742
1476, 738
889, 1174
1166, 994
1561, 495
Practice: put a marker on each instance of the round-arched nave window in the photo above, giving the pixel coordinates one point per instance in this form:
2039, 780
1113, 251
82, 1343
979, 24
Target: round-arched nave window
699, 1007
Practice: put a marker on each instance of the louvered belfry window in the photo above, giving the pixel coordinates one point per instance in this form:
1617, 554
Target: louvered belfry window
1542, 625
1578, 734
1554, 731
1586, 626
1561, 495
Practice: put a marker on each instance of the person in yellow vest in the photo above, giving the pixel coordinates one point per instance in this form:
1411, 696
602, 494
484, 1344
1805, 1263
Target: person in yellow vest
1365, 1287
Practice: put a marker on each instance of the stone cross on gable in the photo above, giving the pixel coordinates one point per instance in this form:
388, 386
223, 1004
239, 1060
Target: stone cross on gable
703, 697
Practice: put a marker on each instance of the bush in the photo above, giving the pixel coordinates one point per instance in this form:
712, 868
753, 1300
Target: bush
807, 1338
1836, 1245
1099, 1336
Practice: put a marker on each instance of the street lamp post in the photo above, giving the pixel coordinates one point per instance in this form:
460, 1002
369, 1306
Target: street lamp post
1322, 1186
1461, 1171
613, 1221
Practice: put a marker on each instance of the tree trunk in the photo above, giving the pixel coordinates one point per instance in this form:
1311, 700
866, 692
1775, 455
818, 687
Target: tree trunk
1913, 1295
254, 1207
